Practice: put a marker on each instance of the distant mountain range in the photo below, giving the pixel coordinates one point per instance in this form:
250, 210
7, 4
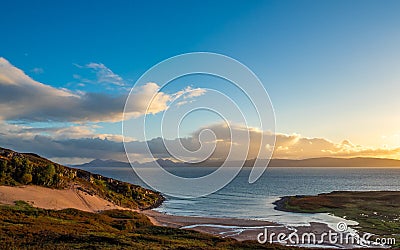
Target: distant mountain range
312, 162
120, 164
336, 162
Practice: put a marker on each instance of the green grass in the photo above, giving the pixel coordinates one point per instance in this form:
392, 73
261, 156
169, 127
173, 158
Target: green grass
26, 227
377, 212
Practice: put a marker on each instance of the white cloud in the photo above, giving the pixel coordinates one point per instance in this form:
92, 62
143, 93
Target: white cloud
190, 92
293, 146
57, 133
24, 99
149, 94
143, 96
105, 75
67, 143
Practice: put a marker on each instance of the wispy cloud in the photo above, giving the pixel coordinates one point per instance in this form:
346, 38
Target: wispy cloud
93, 75
105, 75
37, 70
189, 92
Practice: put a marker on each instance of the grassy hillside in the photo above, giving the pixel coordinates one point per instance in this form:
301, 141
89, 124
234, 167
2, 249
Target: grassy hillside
30, 169
25, 227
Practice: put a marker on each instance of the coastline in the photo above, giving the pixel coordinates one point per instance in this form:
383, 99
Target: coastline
248, 230
281, 204
376, 212
73, 197
239, 229
235, 228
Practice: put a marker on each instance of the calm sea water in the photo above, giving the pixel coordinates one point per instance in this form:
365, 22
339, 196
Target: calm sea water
239, 199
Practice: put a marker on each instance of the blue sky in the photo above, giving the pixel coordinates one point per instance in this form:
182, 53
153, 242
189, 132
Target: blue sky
331, 68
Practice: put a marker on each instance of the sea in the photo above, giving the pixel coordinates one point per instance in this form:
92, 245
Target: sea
239, 199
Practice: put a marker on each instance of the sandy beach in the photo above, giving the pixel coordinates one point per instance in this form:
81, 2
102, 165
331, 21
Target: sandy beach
74, 197
244, 229
55, 198
239, 229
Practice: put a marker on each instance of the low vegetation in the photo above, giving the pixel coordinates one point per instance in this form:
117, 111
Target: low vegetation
30, 169
26, 227
377, 212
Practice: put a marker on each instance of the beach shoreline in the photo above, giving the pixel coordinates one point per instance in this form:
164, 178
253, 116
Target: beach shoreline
235, 228
74, 197
239, 229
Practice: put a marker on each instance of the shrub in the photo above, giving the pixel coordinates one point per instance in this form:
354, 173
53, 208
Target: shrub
26, 179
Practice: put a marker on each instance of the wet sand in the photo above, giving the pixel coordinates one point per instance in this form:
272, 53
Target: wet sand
239, 229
